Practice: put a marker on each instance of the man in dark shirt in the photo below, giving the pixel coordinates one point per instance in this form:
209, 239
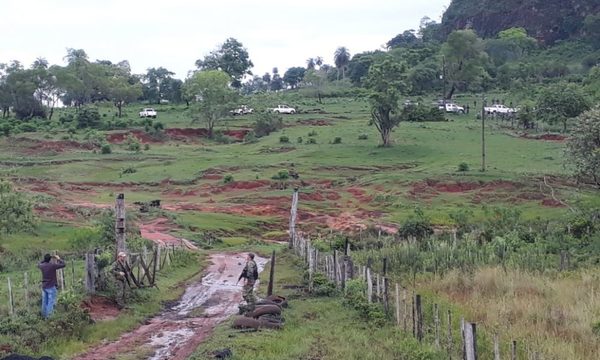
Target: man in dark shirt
48, 270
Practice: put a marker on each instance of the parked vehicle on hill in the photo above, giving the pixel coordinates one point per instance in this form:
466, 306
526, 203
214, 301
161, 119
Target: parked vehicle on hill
283, 109
242, 110
451, 108
499, 109
148, 112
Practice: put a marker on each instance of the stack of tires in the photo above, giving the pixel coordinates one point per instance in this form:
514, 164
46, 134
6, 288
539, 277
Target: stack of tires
266, 315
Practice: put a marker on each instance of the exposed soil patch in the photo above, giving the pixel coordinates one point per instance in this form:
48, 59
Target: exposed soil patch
101, 308
157, 231
175, 134
360, 195
241, 185
552, 203
277, 150
314, 122
36, 146
176, 332
547, 137
428, 189
320, 196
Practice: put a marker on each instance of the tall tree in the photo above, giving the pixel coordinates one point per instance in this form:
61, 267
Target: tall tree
276, 81
310, 64
583, 148
405, 39
232, 58
385, 84
560, 103
341, 58
153, 84
465, 60
294, 75
316, 80
121, 92
214, 96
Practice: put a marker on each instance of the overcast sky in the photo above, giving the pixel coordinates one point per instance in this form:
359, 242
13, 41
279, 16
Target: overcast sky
174, 33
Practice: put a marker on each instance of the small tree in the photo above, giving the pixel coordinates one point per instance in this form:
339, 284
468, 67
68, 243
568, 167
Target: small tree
583, 149
214, 97
88, 117
385, 83
561, 102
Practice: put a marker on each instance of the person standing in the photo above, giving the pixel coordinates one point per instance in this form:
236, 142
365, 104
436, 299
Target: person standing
250, 275
119, 272
49, 282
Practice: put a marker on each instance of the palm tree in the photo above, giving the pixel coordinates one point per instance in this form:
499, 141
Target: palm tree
319, 61
341, 57
310, 64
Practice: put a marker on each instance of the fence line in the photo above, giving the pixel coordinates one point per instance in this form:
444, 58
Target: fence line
338, 269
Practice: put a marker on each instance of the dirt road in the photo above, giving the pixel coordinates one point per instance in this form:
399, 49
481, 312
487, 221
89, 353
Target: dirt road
178, 330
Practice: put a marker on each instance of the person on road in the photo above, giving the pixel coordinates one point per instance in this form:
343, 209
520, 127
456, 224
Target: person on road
250, 275
119, 272
49, 282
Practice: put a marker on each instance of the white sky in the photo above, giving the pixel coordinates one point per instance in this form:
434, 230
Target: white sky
175, 33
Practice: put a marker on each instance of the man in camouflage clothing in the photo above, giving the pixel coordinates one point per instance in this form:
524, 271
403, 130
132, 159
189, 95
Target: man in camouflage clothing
249, 274
118, 270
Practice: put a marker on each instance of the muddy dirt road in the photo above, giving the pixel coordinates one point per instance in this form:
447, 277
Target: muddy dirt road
179, 329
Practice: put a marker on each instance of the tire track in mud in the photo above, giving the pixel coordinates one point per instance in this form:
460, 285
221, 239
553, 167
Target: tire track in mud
176, 332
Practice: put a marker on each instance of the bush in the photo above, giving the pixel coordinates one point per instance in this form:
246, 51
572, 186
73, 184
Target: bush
227, 179
312, 133
266, 123
221, 138
299, 140
146, 147
128, 170
363, 137
27, 127
88, 117
281, 175
312, 141
355, 298
105, 149
250, 138
463, 167
133, 143
337, 140
284, 139
422, 113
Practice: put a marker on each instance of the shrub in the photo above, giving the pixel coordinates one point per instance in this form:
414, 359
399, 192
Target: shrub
133, 143
128, 170
363, 137
284, 139
266, 123
312, 141
463, 166
299, 140
250, 138
227, 179
105, 149
27, 127
146, 147
281, 175
312, 133
88, 117
422, 113
221, 138
337, 140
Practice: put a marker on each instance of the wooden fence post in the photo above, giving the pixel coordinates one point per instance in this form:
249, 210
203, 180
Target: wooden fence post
11, 300
90, 273
293, 212
120, 224
335, 266
378, 290
405, 312
450, 341
419, 317
271, 275
513, 350
26, 286
369, 286
310, 268
386, 302
470, 341
496, 347
158, 259
397, 305
436, 324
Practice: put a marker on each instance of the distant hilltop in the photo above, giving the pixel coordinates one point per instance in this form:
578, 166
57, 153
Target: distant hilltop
546, 20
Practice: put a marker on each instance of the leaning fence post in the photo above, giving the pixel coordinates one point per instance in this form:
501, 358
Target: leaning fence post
513, 350
335, 266
378, 290
271, 275
158, 258
90, 273
450, 334
470, 341
405, 312
11, 300
386, 302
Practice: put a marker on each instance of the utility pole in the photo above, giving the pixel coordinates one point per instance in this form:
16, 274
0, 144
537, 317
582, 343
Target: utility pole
443, 77
483, 104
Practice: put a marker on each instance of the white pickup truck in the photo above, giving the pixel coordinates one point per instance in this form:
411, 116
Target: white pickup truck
148, 112
452, 108
499, 109
283, 109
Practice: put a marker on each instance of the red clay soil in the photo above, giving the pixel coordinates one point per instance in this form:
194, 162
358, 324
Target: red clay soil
240, 185
320, 196
240, 209
552, 203
177, 134
428, 189
360, 195
320, 122
101, 308
36, 146
547, 137
157, 232
176, 332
